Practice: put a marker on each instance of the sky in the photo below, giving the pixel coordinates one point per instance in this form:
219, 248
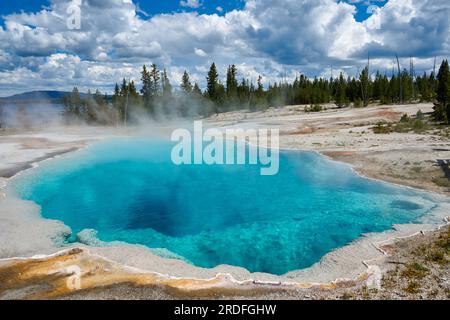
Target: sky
153, 7
149, 7
276, 39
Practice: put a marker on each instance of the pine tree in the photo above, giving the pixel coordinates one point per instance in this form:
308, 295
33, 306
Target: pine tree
166, 93
212, 83
442, 107
221, 97
157, 91
155, 86
166, 86
260, 97
202, 105
365, 83
76, 102
341, 97
124, 101
124, 88
232, 86
89, 112
116, 92
132, 89
151, 88
73, 106
196, 89
134, 98
186, 84
443, 87
244, 93
260, 89
99, 98
406, 85
146, 88
116, 103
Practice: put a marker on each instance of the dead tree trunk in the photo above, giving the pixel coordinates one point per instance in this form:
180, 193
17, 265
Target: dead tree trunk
400, 80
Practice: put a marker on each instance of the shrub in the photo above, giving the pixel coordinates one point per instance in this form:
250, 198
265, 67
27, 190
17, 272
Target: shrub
444, 241
405, 118
382, 128
441, 113
314, 108
418, 126
441, 181
415, 270
412, 287
437, 256
357, 103
420, 115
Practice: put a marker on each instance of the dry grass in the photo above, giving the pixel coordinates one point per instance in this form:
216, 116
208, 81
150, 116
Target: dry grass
421, 267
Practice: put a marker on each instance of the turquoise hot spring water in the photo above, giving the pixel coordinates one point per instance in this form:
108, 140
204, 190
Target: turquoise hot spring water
129, 190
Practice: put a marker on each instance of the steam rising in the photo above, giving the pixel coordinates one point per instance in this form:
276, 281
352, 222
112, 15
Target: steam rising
47, 114
28, 116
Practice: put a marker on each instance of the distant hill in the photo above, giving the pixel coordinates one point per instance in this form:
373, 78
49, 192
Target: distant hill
52, 97
41, 97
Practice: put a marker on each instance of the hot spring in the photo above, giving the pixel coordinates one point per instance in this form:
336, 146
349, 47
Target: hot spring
129, 190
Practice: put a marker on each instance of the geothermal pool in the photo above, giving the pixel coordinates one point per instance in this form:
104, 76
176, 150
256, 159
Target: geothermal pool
129, 190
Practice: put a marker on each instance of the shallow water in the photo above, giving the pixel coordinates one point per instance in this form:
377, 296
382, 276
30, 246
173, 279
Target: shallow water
129, 190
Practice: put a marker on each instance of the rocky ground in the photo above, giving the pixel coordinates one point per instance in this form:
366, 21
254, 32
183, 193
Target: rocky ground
418, 269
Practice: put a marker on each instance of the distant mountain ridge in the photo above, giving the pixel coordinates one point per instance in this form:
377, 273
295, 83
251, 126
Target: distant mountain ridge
36, 96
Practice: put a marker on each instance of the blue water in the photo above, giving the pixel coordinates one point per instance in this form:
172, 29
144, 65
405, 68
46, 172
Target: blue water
129, 190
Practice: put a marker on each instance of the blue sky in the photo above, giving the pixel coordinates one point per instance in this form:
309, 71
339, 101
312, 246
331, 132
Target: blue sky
206, 6
154, 7
16, 6
275, 39
151, 7
363, 8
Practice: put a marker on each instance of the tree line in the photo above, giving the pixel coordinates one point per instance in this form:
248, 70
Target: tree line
159, 100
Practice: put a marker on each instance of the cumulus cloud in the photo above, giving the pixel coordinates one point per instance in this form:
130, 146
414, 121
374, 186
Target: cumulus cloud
303, 32
410, 27
276, 39
200, 52
190, 3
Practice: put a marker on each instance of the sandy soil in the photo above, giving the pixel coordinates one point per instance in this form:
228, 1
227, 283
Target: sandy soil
342, 134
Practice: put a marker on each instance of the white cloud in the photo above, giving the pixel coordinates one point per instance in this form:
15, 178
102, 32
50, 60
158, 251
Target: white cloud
190, 3
267, 37
411, 27
200, 52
